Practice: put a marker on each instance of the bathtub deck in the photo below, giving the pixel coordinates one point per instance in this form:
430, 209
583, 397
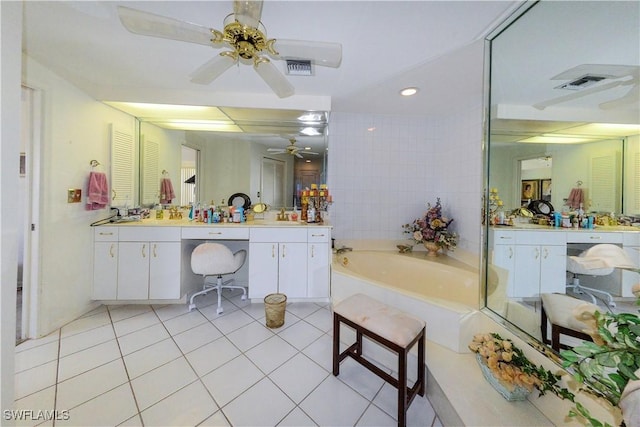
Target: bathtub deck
462, 397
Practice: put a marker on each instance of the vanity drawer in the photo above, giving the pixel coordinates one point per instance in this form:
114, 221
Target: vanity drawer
216, 233
631, 238
279, 234
149, 234
593, 237
318, 235
543, 237
503, 237
105, 234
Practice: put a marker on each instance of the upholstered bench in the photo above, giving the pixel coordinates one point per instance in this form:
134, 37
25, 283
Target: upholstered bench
389, 327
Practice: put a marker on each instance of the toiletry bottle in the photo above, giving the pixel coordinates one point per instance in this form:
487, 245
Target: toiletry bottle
311, 212
305, 206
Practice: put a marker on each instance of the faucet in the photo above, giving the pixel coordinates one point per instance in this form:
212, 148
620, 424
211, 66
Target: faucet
343, 249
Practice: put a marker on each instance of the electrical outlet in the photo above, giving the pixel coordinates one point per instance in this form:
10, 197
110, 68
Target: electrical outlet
74, 195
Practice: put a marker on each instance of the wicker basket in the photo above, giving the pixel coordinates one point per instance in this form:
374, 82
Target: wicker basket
516, 393
274, 308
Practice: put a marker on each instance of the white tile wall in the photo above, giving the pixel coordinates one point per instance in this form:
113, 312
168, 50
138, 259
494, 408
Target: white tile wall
383, 169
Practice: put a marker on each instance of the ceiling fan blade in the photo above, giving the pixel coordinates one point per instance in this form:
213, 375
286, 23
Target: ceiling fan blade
150, 24
320, 53
274, 78
276, 150
298, 155
248, 12
212, 69
578, 94
633, 95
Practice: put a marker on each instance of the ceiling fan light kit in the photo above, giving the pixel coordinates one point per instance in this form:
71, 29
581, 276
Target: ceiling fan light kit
247, 38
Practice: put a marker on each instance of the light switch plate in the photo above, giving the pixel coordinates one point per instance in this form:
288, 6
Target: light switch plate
74, 195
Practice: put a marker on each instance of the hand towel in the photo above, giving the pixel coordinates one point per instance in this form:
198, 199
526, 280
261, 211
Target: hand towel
166, 191
98, 191
576, 196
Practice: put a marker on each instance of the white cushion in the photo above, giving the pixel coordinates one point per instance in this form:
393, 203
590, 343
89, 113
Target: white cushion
388, 322
215, 258
599, 260
566, 311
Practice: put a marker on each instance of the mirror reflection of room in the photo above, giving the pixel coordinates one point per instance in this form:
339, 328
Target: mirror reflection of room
563, 157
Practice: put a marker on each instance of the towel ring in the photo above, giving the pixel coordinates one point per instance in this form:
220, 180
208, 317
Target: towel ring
94, 163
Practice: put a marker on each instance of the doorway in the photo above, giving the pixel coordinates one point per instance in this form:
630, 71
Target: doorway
535, 179
273, 182
188, 173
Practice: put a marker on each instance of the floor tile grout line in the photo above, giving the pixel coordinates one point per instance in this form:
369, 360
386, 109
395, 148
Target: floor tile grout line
198, 377
126, 370
55, 390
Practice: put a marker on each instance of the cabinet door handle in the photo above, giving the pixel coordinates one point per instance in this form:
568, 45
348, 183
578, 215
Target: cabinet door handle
537, 255
155, 246
313, 251
545, 253
215, 232
317, 235
595, 237
102, 233
510, 252
111, 253
144, 251
284, 251
505, 237
273, 251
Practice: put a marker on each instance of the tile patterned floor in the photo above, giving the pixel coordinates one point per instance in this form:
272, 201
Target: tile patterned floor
135, 365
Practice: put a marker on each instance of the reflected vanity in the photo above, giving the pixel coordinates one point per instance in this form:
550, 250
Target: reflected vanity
567, 90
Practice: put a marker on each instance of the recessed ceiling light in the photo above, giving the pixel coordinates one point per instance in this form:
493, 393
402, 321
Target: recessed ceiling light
408, 91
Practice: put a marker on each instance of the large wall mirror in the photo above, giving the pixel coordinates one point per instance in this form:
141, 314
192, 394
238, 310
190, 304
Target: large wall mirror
564, 119
213, 153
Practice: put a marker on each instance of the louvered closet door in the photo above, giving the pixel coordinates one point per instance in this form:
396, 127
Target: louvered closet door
122, 166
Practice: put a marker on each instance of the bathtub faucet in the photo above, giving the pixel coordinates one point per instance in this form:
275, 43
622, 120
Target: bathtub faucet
343, 249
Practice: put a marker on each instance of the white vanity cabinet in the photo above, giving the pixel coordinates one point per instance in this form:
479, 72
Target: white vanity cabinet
149, 263
278, 262
105, 263
631, 245
535, 261
318, 262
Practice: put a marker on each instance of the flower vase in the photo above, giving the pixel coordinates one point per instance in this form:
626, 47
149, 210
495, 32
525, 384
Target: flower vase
432, 248
512, 394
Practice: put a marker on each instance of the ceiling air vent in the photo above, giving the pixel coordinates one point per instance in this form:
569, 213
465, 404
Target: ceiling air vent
582, 82
299, 67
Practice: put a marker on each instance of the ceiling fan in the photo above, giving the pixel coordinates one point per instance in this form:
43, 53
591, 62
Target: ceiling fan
291, 149
245, 38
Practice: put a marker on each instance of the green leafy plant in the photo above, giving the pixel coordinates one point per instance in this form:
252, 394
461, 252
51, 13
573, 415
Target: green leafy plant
610, 362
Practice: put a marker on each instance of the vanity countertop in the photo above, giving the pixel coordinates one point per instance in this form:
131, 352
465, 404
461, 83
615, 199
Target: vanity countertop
597, 229
189, 223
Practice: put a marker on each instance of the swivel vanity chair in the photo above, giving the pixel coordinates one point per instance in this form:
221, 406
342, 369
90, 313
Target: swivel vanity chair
216, 260
598, 260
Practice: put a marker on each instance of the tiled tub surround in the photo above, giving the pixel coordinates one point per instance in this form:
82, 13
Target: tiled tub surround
161, 365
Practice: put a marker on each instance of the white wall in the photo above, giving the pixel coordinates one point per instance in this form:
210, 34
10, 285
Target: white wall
75, 131
383, 169
10, 48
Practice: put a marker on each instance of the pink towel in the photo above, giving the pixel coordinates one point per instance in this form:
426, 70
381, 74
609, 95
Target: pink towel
98, 191
576, 196
166, 191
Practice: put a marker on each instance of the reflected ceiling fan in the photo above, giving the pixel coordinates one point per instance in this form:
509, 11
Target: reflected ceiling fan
588, 79
291, 149
245, 39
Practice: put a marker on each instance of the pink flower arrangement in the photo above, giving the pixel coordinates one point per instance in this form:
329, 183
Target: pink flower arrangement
433, 227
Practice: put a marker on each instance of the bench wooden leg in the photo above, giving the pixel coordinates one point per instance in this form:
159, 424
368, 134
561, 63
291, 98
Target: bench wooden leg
405, 394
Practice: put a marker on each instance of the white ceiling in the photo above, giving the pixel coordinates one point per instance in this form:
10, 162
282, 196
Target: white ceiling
387, 45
